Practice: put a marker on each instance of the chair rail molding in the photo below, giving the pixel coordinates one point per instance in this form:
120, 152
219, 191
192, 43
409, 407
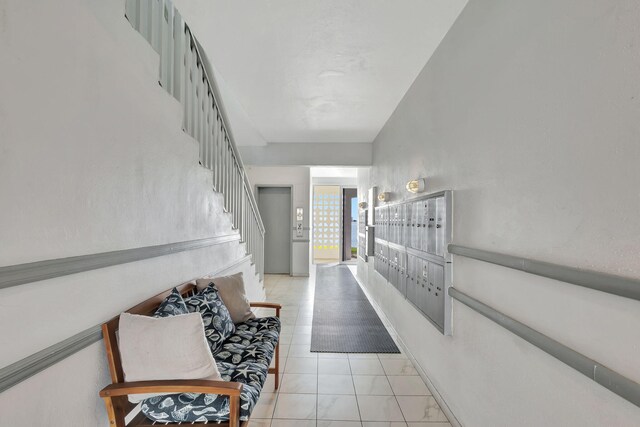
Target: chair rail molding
25, 368
20, 274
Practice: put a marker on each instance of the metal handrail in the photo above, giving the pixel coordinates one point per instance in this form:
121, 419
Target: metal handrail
622, 286
216, 97
223, 113
601, 374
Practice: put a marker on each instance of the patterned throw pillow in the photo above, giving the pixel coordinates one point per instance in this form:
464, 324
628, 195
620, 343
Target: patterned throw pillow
173, 305
218, 325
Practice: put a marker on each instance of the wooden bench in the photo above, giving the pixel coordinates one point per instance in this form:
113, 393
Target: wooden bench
116, 395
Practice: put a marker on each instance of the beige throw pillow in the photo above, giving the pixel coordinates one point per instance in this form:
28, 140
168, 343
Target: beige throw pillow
233, 294
164, 348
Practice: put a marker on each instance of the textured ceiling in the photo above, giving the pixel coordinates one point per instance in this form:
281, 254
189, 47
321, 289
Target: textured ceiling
316, 70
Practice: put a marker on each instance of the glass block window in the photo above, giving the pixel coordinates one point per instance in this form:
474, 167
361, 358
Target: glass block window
327, 211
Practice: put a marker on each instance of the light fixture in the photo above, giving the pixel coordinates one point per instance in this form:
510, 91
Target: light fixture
417, 185
362, 205
384, 197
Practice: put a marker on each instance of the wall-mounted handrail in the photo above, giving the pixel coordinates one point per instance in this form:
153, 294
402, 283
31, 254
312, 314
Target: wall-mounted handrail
609, 283
620, 385
186, 73
20, 274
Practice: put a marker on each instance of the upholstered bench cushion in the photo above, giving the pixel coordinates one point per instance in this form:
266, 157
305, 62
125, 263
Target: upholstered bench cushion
244, 357
265, 329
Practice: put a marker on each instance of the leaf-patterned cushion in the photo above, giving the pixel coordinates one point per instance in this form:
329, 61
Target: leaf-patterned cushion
246, 362
173, 305
262, 329
218, 325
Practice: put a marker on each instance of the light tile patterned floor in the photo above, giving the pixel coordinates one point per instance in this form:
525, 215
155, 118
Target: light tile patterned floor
337, 390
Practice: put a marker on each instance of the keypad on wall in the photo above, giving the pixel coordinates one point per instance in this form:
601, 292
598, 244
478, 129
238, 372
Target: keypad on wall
410, 253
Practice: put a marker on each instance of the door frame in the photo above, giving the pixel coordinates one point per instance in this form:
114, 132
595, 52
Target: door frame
342, 188
342, 240
257, 188
312, 225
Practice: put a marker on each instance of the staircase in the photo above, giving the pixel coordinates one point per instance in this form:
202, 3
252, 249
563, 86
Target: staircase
186, 74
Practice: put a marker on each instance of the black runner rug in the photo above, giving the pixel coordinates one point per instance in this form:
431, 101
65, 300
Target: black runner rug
343, 319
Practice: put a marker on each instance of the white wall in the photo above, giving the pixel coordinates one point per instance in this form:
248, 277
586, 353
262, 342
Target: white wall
298, 177
530, 112
92, 159
306, 153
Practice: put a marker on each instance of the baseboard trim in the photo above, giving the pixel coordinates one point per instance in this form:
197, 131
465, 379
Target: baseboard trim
453, 420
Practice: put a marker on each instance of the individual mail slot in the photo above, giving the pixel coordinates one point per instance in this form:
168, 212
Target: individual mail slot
402, 273
440, 226
423, 289
417, 220
436, 300
399, 218
409, 226
395, 218
431, 227
395, 269
412, 281
385, 223
393, 273
402, 223
376, 256
424, 225
392, 219
385, 262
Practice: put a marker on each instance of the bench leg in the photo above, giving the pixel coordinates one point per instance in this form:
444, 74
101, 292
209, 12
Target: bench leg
277, 381
234, 411
114, 411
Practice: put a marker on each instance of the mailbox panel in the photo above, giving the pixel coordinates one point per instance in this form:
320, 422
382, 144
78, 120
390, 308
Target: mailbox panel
411, 241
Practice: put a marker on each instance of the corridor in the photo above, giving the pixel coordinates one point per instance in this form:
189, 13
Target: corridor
337, 390
473, 164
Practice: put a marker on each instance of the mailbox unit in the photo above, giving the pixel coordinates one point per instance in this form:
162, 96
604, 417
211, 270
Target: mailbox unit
410, 253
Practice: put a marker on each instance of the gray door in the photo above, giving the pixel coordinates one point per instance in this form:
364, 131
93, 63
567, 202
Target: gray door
274, 204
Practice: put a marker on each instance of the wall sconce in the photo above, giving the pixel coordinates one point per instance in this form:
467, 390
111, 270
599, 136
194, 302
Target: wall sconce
384, 197
362, 205
417, 185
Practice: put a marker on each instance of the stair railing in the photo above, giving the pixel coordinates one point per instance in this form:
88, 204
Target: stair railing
186, 74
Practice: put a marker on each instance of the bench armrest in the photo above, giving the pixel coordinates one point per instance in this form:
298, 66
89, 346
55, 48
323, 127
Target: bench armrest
172, 386
273, 305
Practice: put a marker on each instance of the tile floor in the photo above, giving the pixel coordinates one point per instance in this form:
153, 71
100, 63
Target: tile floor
337, 390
